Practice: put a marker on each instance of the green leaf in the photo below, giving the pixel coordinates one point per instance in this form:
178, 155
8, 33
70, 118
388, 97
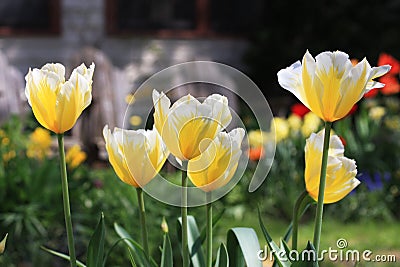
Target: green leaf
243, 246
194, 241
133, 263
167, 255
63, 256
279, 253
222, 257
137, 250
96, 245
288, 232
306, 257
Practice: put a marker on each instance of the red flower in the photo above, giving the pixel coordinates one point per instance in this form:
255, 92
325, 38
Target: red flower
352, 110
256, 153
392, 85
372, 93
388, 59
299, 109
343, 141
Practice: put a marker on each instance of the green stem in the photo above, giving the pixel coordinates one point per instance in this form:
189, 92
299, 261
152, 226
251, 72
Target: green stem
185, 248
142, 215
296, 216
321, 192
67, 210
209, 232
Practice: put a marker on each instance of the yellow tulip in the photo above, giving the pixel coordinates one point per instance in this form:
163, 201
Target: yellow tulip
311, 124
330, 85
136, 156
39, 144
189, 125
75, 156
215, 167
294, 122
57, 103
281, 128
341, 171
376, 113
257, 138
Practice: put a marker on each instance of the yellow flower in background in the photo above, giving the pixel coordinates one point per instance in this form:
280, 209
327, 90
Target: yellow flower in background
294, 122
257, 138
311, 124
330, 85
392, 122
216, 166
376, 113
57, 103
281, 128
9, 155
136, 156
75, 156
135, 120
5, 141
39, 144
188, 125
130, 99
341, 171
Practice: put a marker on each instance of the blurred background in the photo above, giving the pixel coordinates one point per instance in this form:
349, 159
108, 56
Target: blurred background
129, 40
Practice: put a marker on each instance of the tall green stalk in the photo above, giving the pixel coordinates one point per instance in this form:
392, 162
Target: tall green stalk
296, 216
185, 248
321, 192
67, 209
209, 229
142, 215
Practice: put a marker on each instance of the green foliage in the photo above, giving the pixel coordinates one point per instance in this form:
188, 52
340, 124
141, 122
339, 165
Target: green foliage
242, 243
222, 259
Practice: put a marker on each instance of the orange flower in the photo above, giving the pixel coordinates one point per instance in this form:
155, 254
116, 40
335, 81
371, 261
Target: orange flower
256, 153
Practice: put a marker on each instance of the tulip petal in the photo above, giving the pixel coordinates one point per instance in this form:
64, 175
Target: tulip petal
189, 124
116, 159
340, 173
215, 166
136, 156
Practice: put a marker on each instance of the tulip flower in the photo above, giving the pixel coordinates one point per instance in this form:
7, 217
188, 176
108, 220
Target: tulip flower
187, 128
136, 156
341, 171
57, 103
281, 128
189, 125
3, 244
299, 109
75, 156
330, 85
215, 167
